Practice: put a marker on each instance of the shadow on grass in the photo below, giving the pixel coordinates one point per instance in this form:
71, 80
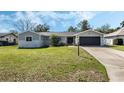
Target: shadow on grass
33, 47
37, 47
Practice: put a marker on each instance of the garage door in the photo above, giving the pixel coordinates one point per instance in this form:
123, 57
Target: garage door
89, 41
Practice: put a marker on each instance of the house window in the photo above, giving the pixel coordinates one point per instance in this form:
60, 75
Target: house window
6, 39
28, 38
14, 40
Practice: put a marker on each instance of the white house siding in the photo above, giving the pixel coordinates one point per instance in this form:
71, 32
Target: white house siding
10, 38
36, 42
32, 44
109, 40
45, 41
76, 40
63, 39
102, 41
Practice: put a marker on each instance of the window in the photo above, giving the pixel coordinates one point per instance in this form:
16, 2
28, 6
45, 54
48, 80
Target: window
14, 40
28, 38
6, 39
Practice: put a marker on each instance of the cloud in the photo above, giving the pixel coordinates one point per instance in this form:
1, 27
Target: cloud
3, 30
4, 17
85, 15
52, 18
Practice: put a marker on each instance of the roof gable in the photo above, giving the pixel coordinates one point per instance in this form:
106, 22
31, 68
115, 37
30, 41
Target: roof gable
28, 32
119, 32
89, 32
5, 34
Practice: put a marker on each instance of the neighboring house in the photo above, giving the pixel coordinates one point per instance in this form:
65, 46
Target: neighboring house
40, 39
115, 38
8, 37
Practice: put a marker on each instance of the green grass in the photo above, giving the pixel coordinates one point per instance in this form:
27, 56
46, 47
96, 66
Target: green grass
49, 64
118, 47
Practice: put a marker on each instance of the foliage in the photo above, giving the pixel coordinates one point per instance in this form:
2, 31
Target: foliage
72, 29
54, 40
62, 44
105, 29
83, 25
118, 47
117, 28
23, 25
42, 28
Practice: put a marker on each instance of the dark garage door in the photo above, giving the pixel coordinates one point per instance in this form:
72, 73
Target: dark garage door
90, 41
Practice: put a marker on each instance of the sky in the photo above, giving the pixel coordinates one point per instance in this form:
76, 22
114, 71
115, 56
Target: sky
59, 21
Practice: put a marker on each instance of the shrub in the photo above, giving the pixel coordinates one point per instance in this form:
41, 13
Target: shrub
54, 39
62, 44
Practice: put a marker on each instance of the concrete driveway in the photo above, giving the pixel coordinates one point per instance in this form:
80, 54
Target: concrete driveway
112, 59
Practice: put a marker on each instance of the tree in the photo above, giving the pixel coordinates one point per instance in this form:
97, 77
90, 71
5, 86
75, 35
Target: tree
72, 29
122, 24
105, 29
23, 25
118, 28
54, 40
42, 28
83, 25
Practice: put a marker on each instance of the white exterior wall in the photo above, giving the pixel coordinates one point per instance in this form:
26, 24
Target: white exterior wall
102, 41
76, 40
36, 40
10, 37
32, 44
45, 41
63, 39
109, 40
89, 33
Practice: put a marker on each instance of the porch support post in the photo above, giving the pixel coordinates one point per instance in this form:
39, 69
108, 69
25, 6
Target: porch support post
73, 40
78, 45
123, 41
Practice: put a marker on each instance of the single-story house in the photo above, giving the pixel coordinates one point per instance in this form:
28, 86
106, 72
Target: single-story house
8, 37
115, 38
31, 39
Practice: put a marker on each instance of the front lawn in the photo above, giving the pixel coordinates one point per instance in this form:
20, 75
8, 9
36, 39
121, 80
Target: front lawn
118, 47
49, 64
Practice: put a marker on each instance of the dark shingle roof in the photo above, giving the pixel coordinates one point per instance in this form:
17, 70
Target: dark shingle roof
58, 33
